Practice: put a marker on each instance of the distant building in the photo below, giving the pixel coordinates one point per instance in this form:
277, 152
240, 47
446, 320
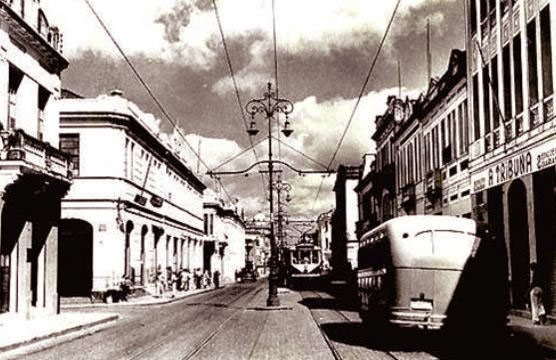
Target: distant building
34, 173
324, 236
225, 238
257, 248
367, 197
136, 208
345, 244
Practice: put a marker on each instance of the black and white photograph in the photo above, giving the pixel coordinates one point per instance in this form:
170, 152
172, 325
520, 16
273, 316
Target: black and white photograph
278, 179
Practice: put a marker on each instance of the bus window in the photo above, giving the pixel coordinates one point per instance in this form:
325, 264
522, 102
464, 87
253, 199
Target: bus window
422, 243
315, 257
447, 242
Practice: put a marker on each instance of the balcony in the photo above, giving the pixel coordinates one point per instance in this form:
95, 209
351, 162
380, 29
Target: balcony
408, 198
46, 40
433, 186
20, 148
362, 226
384, 179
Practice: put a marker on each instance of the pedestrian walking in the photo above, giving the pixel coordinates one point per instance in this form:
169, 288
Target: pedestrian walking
538, 313
159, 282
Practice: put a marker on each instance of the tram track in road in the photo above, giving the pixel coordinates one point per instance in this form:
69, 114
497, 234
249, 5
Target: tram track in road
145, 353
344, 318
203, 343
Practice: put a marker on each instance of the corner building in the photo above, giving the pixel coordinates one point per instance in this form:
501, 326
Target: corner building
135, 208
510, 69
34, 174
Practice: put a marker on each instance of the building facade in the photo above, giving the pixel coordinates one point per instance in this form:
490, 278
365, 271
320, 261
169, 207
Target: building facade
345, 244
324, 237
225, 238
34, 174
513, 133
431, 143
135, 209
257, 250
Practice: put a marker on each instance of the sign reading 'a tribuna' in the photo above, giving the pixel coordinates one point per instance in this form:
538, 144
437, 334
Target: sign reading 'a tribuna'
523, 163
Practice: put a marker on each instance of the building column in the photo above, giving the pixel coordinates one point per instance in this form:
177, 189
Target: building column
50, 251
22, 277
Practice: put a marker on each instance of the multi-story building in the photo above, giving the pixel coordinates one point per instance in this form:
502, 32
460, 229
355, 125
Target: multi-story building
345, 244
224, 230
513, 133
367, 199
324, 236
383, 189
257, 249
135, 208
33, 172
431, 142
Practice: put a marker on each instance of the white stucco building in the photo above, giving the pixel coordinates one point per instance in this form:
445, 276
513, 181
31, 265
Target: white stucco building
33, 172
224, 237
135, 207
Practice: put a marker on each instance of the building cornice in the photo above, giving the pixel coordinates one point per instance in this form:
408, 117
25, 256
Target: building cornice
130, 123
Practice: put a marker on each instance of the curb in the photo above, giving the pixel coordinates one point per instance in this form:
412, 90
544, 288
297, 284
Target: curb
147, 303
58, 333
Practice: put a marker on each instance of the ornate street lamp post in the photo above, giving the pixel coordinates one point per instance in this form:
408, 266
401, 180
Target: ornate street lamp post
270, 105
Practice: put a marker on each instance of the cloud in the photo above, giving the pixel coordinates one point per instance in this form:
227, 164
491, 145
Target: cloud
317, 130
186, 31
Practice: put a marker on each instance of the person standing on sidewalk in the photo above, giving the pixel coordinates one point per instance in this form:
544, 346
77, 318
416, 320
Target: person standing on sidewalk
538, 313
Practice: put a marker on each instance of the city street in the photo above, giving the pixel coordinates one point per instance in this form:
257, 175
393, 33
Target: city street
233, 323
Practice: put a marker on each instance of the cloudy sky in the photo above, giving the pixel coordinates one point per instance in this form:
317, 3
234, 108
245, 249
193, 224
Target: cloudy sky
325, 48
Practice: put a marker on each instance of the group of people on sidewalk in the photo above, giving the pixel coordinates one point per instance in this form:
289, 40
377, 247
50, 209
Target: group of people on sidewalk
184, 280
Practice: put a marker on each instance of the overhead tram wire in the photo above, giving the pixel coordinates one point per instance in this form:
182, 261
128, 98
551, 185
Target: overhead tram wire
232, 75
147, 88
360, 95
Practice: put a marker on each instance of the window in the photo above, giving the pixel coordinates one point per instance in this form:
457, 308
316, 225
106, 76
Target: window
532, 62
518, 81
453, 133
507, 86
476, 117
465, 126
435, 150
486, 100
495, 97
205, 229
69, 144
546, 52
211, 227
15, 77
44, 95
473, 17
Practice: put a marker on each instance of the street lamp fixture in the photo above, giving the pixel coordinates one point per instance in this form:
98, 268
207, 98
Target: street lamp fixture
270, 105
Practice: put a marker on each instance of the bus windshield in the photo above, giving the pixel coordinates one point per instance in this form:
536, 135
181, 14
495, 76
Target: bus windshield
439, 248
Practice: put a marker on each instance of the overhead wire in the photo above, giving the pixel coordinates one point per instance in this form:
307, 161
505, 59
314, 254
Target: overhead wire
236, 89
147, 87
360, 95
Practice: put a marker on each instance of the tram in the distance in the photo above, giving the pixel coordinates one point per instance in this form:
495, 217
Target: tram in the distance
304, 265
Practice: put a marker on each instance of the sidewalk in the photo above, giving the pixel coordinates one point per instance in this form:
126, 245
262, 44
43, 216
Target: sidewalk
289, 330
16, 332
544, 335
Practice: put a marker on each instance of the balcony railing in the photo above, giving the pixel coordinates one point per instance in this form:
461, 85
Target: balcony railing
362, 226
22, 147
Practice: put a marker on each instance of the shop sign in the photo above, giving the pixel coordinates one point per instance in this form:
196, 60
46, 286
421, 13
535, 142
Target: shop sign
516, 166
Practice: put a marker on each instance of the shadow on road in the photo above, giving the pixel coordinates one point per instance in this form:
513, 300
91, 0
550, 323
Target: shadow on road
436, 343
468, 343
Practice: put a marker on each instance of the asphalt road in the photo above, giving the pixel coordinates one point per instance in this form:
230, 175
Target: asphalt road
221, 325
